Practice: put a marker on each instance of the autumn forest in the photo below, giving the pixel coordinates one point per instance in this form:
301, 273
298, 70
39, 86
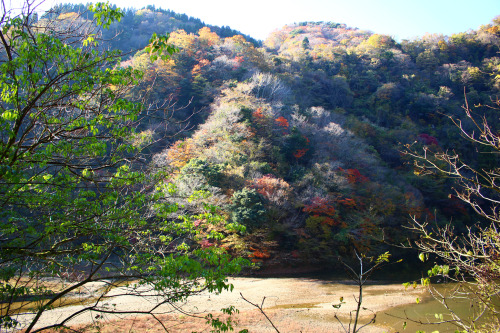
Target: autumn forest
301, 138
146, 150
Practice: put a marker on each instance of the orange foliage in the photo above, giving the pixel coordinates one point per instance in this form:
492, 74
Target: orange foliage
181, 152
271, 187
239, 39
281, 121
65, 16
197, 68
494, 30
257, 114
183, 40
251, 133
349, 203
237, 44
261, 119
259, 254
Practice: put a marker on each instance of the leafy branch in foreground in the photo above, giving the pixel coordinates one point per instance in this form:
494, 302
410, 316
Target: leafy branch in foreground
83, 216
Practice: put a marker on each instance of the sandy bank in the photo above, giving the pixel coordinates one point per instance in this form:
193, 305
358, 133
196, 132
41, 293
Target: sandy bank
294, 304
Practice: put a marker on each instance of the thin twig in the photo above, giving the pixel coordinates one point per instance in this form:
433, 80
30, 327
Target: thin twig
261, 309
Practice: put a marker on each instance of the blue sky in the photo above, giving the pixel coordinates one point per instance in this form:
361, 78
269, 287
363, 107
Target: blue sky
402, 19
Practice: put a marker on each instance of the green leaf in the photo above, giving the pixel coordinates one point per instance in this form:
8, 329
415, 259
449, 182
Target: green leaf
105, 14
10, 115
158, 47
384, 257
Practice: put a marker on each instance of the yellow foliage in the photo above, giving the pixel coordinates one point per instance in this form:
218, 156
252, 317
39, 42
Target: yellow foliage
181, 152
208, 37
143, 11
67, 16
380, 41
183, 40
494, 30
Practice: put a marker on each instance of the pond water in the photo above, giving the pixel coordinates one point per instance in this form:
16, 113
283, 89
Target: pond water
429, 309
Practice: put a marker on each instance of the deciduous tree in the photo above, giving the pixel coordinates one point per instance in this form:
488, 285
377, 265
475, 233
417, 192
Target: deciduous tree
471, 258
79, 206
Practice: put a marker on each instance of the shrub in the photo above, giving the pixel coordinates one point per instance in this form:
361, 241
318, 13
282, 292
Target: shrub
248, 208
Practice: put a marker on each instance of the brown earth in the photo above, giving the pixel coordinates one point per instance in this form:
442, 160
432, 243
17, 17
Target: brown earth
293, 304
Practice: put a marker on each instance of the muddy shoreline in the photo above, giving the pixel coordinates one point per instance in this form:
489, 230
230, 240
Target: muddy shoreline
294, 304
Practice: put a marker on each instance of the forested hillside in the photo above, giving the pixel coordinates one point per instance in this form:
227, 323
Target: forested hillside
301, 140
146, 155
135, 28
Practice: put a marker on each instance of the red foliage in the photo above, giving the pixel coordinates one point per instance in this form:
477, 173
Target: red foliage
206, 243
257, 114
413, 208
300, 153
354, 176
428, 214
328, 220
281, 121
320, 206
349, 203
427, 139
259, 254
